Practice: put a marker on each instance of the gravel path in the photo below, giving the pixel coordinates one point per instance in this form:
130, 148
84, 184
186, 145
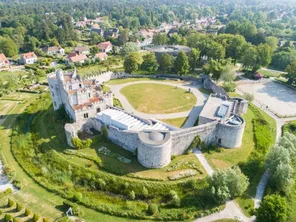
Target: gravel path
192, 114
203, 161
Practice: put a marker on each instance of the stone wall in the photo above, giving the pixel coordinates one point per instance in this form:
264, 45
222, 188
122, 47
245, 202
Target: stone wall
181, 139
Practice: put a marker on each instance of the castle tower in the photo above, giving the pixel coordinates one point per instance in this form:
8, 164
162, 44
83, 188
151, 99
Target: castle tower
60, 75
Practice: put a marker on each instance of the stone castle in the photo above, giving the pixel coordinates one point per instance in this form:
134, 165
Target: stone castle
155, 142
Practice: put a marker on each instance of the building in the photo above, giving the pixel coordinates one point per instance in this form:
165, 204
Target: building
105, 46
82, 98
54, 50
75, 58
101, 56
3, 60
155, 142
28, 58
82, 50
112, 33
96, 28
172, 50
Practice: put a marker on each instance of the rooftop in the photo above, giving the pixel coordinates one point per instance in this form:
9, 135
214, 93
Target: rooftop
125, 121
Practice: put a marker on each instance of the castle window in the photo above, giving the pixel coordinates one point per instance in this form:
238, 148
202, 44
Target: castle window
85, 115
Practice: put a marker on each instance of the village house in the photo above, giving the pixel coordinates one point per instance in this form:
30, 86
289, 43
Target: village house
96, 28
3, 60
54, 50
105, 46
113, 33
28, 58
101, 56
82, 50
75, 58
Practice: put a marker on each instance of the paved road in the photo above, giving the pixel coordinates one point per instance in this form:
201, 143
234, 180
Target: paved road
191, 114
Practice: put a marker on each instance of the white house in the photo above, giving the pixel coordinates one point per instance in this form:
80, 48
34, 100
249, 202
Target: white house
28, 58
54, 50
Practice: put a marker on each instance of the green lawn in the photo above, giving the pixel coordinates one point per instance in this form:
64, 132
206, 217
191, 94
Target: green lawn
178, 122
158, 98
290, 127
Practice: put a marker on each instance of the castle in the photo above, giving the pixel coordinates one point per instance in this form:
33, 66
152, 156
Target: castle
155, 142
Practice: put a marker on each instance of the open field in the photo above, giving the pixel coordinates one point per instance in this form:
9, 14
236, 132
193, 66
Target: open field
126, 80
158, 98
271, 73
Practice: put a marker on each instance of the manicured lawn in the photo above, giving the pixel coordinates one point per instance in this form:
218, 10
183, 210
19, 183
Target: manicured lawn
178, 122
158, 98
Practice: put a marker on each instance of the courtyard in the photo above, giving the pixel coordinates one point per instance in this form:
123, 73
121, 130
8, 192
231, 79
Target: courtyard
278, 98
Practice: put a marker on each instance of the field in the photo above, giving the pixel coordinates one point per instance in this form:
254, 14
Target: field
158, 98
126, 80
271, 73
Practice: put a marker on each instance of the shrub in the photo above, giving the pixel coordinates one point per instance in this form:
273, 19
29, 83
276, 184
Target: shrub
19, 207
10, 203
132, 195
77, 143
28, 212
104, 132
15, 219
36, 217
17, 184
152, 209
249, 97
77, 197
45, 219
8, 217
145, 192
195, 143
76, 209
229, 86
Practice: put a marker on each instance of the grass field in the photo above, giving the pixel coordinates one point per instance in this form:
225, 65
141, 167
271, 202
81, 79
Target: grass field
271, 73
178, 122
158, 98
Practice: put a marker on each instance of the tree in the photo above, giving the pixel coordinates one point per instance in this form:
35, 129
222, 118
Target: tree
272, 42
152, 209
95, 38
250, 58
145, 192
124, 36
128, 48
273, 208
181, 65
31, 43
54, 42
150, 63
194, 58
94, 50
131, 63
132, 195
282, 178
8, 47
160, 39
227, 183
291, 70
264, 54
229, 86
236, 48
228, 74
175, 39
165, 63
249, 97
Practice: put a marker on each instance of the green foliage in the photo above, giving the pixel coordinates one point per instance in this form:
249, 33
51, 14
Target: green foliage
250, 97
160, 39
195, 143
273, 208
36, 217
131, 63
165, 63
8, 217
149, 63
228, 74
229, 86
132, 195
291, 70
152, 209
16, 219
11, 203
19, 207
174, 199
181, 65
77, 211
45, 219
145, 192
81, 144
28, 212
194, 58
104, 132
8, 47
129, 48
262, 135
77, 196
227, 183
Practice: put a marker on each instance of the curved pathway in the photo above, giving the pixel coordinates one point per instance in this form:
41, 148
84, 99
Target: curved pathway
191, 114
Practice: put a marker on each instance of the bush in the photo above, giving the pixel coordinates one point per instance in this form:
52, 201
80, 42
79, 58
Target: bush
36, 217
104, 132
17, 184
195, 143
145, 192
45, 219
76, 209
229, 86
249, 97
19, 207
132, 195
8, 217
10, 203
152, 209
28, 212
77, 197
16, 219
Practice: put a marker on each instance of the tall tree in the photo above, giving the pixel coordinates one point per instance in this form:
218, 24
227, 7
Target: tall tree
131, 63
181, 65
129, 48
149, 63
194, 58
160, 39
165, 63
8, 47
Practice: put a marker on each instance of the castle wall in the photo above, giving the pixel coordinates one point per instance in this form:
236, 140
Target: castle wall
230, 136
181, 139
151, 156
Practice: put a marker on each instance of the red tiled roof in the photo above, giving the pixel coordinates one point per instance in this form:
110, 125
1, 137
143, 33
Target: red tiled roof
3, 58
104, 45
91, 100
29, 55
78, 58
